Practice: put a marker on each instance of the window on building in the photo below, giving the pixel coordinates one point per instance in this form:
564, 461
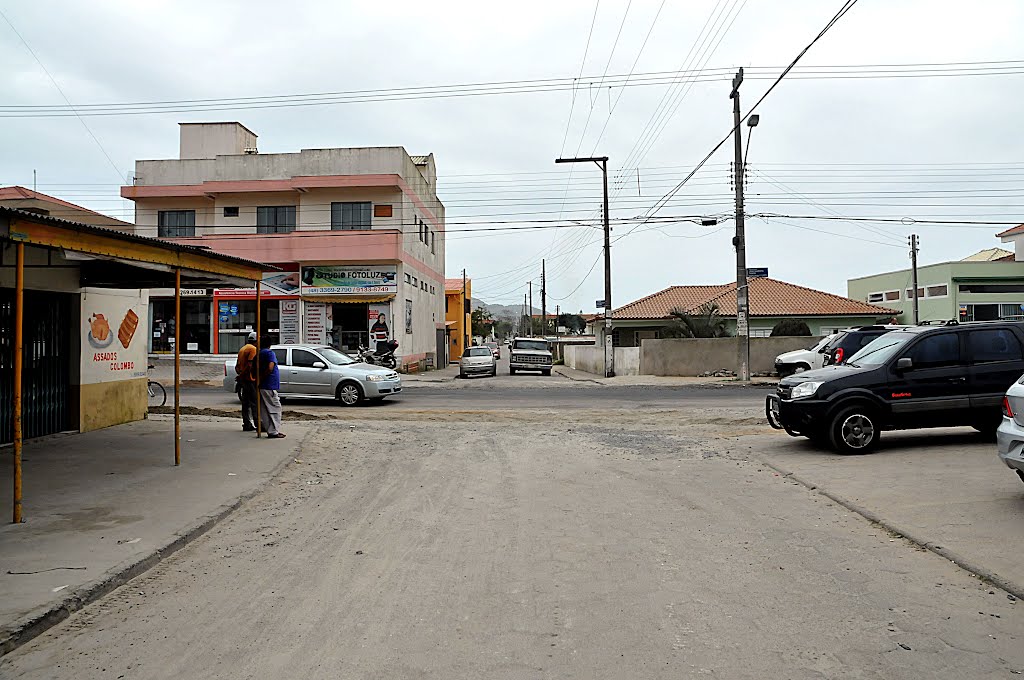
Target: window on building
351, 215
992, 287
884, 296
432, 239
231, 211
936, 291
408, 279
415, 281
172, 223
938, 350
275, 219
995, 344
910, 293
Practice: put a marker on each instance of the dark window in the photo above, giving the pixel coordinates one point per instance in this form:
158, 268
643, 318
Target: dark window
351, 215
231, 212
995, 344
282, 355
301, 357
432, 242
173, 223
275, 219
934, 351
867, 337
992, 287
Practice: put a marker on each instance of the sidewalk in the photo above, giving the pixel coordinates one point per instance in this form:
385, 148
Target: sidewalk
104, 506
659, 380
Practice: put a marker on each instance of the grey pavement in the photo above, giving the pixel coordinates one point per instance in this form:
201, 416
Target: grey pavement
102, 503
946, 488
526, 547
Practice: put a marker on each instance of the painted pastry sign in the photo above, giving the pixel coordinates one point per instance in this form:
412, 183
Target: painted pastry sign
110, 350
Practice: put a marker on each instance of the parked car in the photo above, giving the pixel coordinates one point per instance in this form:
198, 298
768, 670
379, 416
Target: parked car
846, 343
495, 349
915, 377
530, 354
320, 372
802, 360
1010, 435
477, 361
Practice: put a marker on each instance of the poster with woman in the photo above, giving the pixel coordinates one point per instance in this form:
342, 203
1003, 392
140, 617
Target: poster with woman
380, 331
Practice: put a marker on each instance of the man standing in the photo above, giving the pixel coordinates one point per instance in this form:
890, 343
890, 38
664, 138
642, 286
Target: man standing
245, 378
270, 383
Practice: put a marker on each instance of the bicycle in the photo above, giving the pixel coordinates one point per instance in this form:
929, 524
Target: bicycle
157, 393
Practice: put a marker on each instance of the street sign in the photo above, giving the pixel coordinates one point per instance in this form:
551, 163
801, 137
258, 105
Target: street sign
599, 304
757, 272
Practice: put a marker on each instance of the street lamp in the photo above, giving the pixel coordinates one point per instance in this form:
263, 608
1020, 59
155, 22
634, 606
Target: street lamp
609, 351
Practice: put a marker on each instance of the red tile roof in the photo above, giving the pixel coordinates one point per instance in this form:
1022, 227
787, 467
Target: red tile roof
768, 297
453, 284
17, 193
1019, 229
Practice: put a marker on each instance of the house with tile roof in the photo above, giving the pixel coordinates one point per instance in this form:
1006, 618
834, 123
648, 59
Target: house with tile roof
771, 301
39, 203
985, 286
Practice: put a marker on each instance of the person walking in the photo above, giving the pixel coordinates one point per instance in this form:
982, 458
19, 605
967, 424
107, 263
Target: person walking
270, 383
245, 378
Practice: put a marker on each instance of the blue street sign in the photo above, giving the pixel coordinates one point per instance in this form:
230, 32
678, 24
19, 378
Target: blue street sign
757, 272
599, 304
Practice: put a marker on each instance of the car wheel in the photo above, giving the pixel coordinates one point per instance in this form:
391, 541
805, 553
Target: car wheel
854, 430
349, 394
511, 371
462, 375
546, 372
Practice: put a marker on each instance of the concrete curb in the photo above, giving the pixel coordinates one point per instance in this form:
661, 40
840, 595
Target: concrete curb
980, 572
36, 624
565, 374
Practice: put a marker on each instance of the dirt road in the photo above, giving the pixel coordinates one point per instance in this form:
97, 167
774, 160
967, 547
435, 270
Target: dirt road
562, 544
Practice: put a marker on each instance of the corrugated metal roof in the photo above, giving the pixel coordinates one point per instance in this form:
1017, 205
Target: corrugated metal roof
768, 297
131, 238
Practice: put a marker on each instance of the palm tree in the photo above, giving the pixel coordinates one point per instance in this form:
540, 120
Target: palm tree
706, 323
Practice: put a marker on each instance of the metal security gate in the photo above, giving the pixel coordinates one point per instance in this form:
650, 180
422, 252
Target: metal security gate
46, 392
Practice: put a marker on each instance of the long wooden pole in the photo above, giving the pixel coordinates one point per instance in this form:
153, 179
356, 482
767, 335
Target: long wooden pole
259, 342
19, 317
177, 366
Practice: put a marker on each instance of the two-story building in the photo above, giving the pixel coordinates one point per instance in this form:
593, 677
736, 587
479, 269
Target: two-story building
359, 233
458, 316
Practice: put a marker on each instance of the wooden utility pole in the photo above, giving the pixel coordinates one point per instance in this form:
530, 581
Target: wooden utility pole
529, 313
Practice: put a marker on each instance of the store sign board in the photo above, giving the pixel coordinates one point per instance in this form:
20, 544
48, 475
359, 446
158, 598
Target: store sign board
112, 347
193, 292
314, 319
349, 280
289, 322
274, 284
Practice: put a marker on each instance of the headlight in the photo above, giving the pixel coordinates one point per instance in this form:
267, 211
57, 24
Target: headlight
806, 389
377, 377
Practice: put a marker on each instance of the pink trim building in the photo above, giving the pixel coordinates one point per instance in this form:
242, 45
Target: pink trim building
360, 231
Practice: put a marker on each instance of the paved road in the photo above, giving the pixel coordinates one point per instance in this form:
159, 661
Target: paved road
521, 546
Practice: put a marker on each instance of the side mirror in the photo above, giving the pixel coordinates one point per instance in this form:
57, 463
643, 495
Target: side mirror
319, 364
904, 364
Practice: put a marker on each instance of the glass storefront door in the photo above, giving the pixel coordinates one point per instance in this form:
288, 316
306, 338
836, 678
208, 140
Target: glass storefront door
236, 318
349, 329
195, 327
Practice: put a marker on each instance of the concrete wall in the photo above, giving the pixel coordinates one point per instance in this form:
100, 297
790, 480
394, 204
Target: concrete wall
209, 140
591, 359
693, 356
112, 403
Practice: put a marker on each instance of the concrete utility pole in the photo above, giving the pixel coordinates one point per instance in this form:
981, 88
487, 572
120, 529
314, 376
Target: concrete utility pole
739, 241
529, 314
609, 349
465, 310
543, 300
913, 267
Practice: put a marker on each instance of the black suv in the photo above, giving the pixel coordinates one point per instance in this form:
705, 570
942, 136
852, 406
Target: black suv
848, 342
919, 376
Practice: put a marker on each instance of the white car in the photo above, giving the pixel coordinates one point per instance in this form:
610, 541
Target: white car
477, 361
802, 360
1010, 435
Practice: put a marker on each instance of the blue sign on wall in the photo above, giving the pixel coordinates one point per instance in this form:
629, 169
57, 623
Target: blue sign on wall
757, 272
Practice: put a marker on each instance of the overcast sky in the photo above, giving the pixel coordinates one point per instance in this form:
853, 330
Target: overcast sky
907, 147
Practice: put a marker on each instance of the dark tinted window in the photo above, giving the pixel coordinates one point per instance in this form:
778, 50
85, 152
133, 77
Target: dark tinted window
866, 338
478, 352
301, 357
282, 356
275, 219
932, 351
994, 344
355, 215
171, 223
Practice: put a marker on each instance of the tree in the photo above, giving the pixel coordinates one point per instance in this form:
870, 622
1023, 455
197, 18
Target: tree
573, 323
502, 329
481, 322
791, 327
706, 323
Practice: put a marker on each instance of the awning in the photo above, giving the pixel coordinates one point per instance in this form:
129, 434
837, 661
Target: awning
347, 299
450, 323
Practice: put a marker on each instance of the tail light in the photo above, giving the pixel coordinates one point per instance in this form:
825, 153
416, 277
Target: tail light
839, 356
1007, 411
225, 369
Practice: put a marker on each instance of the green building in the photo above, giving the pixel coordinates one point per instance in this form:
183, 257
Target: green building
983, 287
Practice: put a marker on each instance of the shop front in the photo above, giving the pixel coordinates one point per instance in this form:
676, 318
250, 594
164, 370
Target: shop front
197, 322
235, 310
348, 307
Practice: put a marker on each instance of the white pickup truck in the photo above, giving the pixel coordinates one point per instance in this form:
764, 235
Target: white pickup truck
802, 360
530, 354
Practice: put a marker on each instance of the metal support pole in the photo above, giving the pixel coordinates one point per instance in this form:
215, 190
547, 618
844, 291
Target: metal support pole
19, 320
609, 348
543, 299
467, 329
177, 366
529, 312
913, 267
259, 348
742, 292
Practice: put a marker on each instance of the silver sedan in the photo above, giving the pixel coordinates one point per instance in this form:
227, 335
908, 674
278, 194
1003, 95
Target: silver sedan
1010, 435
319, 372
478, 361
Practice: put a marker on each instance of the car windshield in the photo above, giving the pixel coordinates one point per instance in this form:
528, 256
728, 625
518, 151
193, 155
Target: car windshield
539, 345
335, 357
821, 343
491, 344
879, 350
478, 352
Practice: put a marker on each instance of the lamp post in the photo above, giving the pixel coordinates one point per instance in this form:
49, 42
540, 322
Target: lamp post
609, 350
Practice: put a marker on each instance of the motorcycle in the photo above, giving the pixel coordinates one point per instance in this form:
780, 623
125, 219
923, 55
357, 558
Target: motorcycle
385, 358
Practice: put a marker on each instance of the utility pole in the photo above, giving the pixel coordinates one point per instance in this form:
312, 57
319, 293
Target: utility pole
739, 241
465, 311
543, 300
522, 319
609, 349
529, 313
558, 346
913, 268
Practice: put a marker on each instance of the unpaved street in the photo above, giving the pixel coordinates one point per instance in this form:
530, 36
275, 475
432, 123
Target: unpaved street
540, 544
